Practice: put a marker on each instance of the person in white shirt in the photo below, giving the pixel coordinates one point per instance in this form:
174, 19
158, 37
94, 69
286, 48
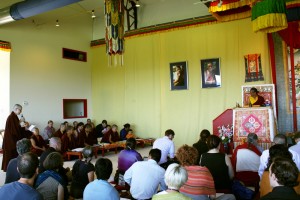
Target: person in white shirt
264, 158
296, 147
144, 177
167, 147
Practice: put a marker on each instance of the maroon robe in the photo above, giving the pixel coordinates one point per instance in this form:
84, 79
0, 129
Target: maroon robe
66, 143
13, 133
115, 136
89, 139
260, 101
40, 142
58, 134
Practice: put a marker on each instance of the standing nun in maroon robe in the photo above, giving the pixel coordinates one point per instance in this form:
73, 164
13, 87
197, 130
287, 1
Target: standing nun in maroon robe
13, 132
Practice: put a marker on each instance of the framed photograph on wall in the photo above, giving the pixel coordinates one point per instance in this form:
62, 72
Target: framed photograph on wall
179, 76
210, 73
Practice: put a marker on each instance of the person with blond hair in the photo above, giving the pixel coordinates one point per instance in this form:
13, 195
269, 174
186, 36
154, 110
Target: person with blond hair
175, 177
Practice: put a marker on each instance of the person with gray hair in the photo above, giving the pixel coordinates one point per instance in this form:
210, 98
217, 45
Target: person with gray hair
13, 132
264, 158
23, 146
175, 177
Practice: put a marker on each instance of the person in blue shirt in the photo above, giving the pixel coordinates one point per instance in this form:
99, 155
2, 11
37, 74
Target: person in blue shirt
22, 189
124, 131
100, 188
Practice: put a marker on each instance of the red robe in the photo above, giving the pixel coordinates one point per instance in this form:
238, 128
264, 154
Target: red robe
85, 138
40, 142
58, 134
13, 133
260, 101
66, 143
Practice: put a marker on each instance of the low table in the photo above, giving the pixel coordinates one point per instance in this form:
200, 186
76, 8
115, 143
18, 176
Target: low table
74, 153
105, 147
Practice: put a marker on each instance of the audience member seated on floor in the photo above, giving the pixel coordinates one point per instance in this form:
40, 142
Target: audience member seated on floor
88, 121
127, 157
124, 131
37, 142
23, 188
283, 177
67, 141
275, 151
144, 177
296, 147
54, 146
77, 134
106, 134
219, 165
264, 158
49, 183
75, 124
201, 145
200, 184
87, 137
82, 173
23, 146
60, 132
101, 128
48, 131
175, 177
100, 188
130, 134
167, 147
114, 137
245, 160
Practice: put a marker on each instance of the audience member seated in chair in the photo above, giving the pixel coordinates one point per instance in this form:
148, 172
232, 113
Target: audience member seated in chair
68, 141
127, 157
23, 146
49, 183
264, 158
60, 132
175, 177
144, 177
245, 161
296, 147
82, 173
54, 146
200, 184
201, 145
275, 151
283, 175
23, 189
124, 131
100, 188
219, 165
167, 147
37, 142
87, 137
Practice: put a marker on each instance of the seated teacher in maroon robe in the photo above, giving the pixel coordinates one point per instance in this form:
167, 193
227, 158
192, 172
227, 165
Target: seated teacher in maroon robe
255, 99
13, 133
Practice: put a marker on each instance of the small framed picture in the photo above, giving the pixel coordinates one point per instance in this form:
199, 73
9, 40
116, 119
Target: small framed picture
210, 73
179, 76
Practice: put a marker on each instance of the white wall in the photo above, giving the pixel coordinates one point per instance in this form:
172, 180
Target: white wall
39, 75
4, 87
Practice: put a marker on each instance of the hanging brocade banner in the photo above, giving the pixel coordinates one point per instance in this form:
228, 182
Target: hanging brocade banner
5, 46
253, 69
114, 30
269, 16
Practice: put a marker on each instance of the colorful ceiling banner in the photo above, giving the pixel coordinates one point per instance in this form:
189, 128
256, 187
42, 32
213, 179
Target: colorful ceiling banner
5, 46
253, 69
114, 28
269, 16
227, 10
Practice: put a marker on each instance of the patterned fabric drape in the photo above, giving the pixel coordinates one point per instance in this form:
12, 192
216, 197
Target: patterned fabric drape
269, 16
5, 46
253, 71
114, 27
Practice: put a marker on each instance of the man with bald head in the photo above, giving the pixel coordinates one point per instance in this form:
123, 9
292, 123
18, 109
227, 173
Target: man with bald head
13, 132
264, 158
